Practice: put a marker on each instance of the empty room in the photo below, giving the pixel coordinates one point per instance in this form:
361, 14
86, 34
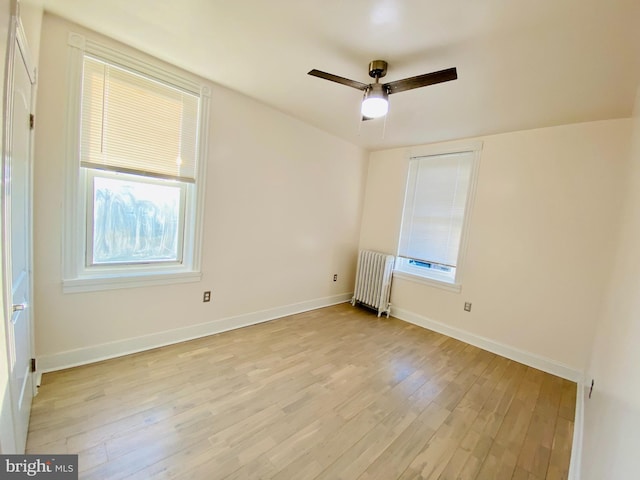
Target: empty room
384, 239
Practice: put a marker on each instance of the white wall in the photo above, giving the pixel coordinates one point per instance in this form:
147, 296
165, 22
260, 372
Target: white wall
282, 215
612, 415
540, 238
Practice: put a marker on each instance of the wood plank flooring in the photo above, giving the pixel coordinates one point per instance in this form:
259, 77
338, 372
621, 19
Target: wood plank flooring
335, 393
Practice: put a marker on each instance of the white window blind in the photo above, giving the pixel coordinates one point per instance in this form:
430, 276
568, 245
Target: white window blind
133, 124
435, 202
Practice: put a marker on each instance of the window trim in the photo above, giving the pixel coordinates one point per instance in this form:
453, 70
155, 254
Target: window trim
435, 279
76, 276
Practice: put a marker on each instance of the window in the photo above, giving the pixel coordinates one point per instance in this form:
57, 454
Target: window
135, 204
134, 220
438, 196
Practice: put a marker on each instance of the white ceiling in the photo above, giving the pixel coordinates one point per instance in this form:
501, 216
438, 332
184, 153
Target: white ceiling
521, 63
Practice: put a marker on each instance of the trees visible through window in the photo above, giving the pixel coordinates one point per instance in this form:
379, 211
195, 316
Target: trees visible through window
135, 221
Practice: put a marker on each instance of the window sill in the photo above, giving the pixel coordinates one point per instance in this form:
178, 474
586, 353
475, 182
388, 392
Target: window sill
431, 282
112, 282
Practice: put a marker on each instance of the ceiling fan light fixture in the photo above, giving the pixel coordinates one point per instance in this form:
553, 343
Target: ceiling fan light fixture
375, 103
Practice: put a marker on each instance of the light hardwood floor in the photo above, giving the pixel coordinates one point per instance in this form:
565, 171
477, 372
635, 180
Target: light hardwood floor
335, 393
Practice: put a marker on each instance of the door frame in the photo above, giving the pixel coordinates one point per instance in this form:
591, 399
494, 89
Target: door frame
17, 40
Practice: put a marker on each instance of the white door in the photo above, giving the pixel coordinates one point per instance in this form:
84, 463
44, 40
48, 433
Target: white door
17, 230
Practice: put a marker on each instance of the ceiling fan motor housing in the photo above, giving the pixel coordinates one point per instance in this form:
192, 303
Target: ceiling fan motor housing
377, 68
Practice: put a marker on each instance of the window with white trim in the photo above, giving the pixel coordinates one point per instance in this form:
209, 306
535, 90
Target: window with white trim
134, 215
438, 198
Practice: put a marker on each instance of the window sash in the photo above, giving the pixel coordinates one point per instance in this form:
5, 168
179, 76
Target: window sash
435, 206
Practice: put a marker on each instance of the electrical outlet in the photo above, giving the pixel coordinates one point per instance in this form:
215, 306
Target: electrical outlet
467, 306
207, 296
335, 277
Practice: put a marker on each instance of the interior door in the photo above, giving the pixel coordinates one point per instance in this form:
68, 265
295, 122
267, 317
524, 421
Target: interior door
17, 230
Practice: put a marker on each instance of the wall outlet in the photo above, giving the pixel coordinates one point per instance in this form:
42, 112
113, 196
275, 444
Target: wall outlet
335, 277
206, 297
467, 306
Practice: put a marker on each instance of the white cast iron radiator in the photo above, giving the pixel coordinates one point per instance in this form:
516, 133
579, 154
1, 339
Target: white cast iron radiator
373, 280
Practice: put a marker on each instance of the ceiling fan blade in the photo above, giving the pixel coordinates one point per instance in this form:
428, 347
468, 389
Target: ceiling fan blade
422, 80
337, 79
364, 119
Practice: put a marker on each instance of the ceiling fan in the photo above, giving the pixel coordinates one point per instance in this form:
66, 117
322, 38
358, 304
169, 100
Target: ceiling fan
376, 95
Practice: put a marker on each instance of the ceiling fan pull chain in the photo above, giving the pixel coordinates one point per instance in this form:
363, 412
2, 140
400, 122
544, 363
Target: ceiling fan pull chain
384, 126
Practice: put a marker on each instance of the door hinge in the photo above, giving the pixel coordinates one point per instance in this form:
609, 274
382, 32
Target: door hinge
32, 120
33, 365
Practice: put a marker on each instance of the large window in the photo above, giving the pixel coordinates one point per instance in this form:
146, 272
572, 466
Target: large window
134, 211
438, 197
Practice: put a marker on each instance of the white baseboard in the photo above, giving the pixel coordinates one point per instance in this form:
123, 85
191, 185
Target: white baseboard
96, 353
578, 428
521, 356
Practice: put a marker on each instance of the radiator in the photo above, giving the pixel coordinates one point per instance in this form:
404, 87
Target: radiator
373, 280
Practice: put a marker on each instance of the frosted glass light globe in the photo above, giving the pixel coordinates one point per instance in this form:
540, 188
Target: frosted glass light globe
375, 103
374, 107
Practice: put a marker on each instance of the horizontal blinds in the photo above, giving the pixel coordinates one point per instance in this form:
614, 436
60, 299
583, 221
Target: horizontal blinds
133, 124
434, 210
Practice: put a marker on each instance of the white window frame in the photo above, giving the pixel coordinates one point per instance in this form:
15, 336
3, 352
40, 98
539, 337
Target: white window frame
435, 278
78, 276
